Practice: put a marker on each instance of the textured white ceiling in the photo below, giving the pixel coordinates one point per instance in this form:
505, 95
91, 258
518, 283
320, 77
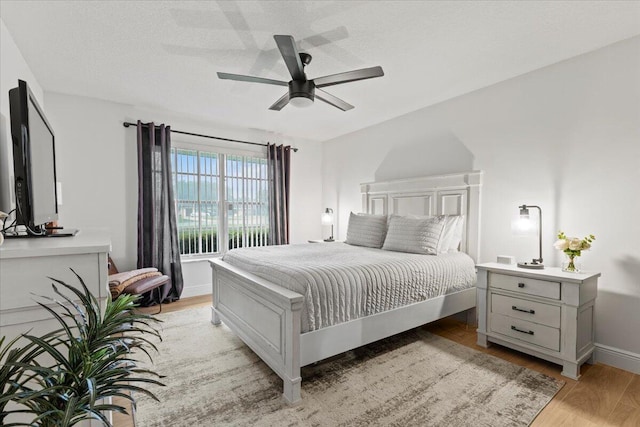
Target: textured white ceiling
165, 54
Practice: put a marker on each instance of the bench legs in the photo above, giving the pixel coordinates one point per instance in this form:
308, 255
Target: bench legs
159, 298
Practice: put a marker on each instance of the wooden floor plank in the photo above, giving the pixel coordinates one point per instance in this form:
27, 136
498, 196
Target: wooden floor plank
599, 391
183, 304
631, 396
625, 415
560, 415
122, 420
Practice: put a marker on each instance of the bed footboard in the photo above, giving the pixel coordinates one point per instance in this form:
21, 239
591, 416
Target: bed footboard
265, 316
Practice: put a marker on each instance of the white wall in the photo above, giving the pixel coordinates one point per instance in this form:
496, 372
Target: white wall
98, 169
12, 67
566, 137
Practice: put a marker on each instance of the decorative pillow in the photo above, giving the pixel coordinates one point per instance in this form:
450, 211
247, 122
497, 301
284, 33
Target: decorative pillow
457, 234
450, 222
447, 238
414, 235
366, 230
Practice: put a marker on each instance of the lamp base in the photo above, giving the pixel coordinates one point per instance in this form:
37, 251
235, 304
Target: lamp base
531, 265
330, 239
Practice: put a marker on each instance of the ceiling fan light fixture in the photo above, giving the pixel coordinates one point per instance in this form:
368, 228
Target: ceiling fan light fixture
301, 93
301, 101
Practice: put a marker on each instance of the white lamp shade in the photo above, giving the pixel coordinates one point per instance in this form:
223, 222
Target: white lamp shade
523, 226
327, 218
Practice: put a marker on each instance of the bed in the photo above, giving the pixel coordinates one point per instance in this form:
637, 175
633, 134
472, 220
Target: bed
287, 330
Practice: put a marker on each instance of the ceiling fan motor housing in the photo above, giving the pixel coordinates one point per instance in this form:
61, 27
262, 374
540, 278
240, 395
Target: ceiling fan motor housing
302, 89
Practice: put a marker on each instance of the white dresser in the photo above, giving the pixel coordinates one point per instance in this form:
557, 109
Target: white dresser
25, 264
546, 313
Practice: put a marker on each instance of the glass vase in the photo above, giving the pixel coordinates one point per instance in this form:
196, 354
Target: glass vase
570, 265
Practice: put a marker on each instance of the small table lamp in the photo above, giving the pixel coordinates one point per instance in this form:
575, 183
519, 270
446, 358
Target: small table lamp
327, 219
524, 223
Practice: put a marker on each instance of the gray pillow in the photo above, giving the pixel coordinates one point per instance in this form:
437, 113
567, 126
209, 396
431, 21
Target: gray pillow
414, 235
366, 230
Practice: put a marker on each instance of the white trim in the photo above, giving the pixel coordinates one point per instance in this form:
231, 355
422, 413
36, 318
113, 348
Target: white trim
190, 259
618, 358
196, 290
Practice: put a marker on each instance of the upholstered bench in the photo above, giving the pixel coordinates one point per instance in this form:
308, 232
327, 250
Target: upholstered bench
139, 285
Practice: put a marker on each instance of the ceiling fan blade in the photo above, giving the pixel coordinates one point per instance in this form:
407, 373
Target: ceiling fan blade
332, 100
280, 103
289, 51
251, 79
349, 76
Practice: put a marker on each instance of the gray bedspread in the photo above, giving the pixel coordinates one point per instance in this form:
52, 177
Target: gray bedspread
340, 282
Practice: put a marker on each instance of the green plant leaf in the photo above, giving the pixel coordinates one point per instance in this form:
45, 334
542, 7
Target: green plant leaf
93, 358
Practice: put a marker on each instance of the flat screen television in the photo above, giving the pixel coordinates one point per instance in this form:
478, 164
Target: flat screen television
34, 162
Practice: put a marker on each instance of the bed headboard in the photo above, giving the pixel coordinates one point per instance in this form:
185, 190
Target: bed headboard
451, 194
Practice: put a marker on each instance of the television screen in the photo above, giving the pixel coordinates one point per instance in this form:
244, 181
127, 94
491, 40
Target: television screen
43, 173
34, 162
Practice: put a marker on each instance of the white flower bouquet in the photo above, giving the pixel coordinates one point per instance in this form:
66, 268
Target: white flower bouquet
573, 247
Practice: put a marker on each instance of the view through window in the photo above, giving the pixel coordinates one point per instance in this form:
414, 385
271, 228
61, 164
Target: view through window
221, 201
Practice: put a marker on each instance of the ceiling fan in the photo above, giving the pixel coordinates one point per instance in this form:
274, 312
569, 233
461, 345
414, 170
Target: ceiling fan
302, 91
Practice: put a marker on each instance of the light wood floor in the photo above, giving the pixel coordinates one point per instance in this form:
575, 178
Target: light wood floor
604, 396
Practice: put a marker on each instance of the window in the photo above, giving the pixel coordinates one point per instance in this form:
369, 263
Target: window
221, 201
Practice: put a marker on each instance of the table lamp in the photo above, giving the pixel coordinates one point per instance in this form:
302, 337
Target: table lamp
524, 224
327, 219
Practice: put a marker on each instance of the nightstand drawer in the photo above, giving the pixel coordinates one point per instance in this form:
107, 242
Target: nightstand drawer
532, 311
530, 332
541, 288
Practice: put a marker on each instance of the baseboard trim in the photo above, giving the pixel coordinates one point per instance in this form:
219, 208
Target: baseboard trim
195, 291
618, 358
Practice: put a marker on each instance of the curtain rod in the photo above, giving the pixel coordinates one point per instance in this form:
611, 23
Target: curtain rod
127, 124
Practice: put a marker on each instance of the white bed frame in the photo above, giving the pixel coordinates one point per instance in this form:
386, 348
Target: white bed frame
267, 316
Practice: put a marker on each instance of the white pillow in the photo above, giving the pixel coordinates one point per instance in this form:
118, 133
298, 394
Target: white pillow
447, 238
448, 233
414, 235
457, 234
366, 230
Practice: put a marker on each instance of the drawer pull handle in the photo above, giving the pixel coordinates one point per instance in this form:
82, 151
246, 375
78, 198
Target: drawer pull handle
522, 330
524, 310
521, 285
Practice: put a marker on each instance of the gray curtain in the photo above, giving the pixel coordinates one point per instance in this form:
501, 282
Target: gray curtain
157, 227
278, 164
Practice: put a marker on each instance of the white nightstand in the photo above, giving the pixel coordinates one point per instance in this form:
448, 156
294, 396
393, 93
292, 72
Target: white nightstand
546, 313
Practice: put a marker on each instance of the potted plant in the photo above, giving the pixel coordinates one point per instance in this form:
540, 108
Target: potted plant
69, 375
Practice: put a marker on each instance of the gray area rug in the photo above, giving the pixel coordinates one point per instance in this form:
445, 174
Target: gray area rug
411, 379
